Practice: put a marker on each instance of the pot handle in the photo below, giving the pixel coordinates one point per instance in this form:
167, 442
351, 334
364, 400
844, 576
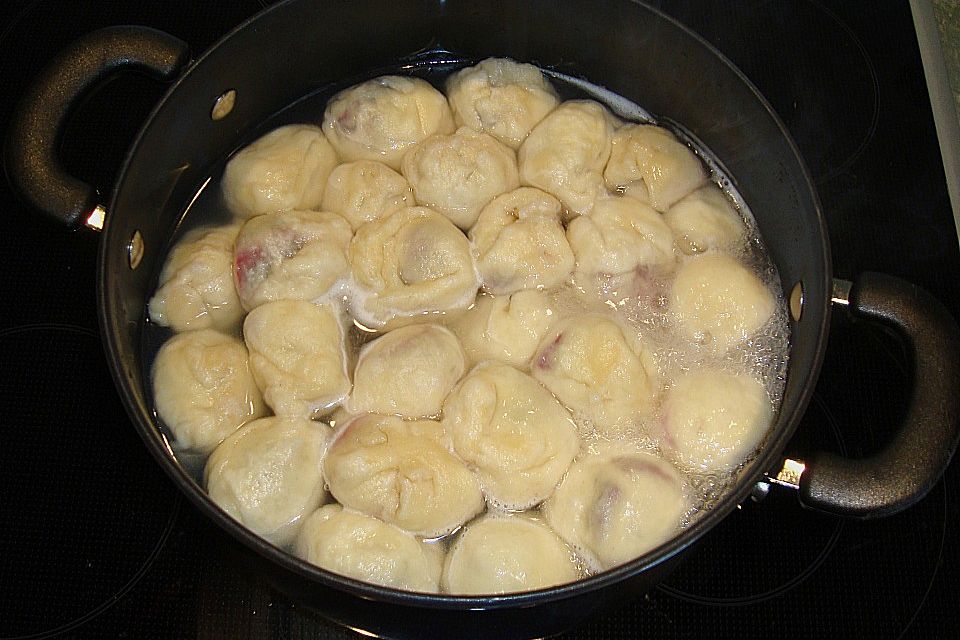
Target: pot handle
912, 463
31, 159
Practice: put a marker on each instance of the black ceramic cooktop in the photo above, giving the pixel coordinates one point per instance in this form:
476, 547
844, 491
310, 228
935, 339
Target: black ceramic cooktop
96, 542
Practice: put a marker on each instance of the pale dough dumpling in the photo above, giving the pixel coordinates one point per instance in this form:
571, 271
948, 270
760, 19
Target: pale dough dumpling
196, 284
459, 174
617, 504
713, 419
365, 548
506, 554
407, 372
718, 303
516, 435
295, 255
646, 153
501, 97
705, 220
414, 261
565, 154
620, 235
520, 242
203, 388
505, 328
381, 119
600, 370
297, 356
365, 191
401, 472
285, 169
268, 475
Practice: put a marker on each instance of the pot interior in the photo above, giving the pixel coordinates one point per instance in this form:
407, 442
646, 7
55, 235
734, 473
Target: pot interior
301, 47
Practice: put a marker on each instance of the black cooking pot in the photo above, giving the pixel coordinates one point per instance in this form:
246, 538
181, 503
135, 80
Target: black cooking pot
302, 46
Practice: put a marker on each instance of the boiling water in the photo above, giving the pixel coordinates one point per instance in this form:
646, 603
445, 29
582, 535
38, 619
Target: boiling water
764, 356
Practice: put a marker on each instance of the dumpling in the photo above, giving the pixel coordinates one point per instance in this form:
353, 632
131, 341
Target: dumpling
407, 372
381, 119
618, 504
718, 303
713, 419
295, 255
565, 154
365, 548
620, 235
268, 475
203, 388
501, 97
600, 370
196, 284
412, 262
506, 554
505, 328
297, 356
459, 174
365, 191
646, 153
516, 435
520, 242
401, 472
705, 220
285, 169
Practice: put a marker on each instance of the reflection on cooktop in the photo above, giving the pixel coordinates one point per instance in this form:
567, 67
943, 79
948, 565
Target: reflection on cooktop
95, 541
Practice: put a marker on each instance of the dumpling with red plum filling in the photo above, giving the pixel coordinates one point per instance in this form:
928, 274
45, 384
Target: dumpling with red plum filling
600, 369
705, 220
365, 548
196, 284
566, 153
401, 472
364, 191
505, 328
649, 163
506, 553
459, 174
516, 436
267, 475
383, 118
285, 169
297, 356
407, 372
295, 255
520, 242
718, 303
617, 504
713, 419
203, 388
501, 97
412, 262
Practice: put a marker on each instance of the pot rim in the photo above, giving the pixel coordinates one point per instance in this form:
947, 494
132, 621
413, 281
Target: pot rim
769, 456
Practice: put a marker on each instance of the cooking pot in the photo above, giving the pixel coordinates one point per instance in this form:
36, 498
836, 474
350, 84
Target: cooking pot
299, 47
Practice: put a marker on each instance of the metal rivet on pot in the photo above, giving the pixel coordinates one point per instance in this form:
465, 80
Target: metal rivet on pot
224, 104
135, 250
796, 301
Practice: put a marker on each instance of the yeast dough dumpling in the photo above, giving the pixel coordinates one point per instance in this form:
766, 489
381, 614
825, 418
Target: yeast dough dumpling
196, 284
506, 554
285, 169
381, 119
364, 191
203, 388
365, 548
297, 356
401, 472
705, 220
501, 97
267, 475
505, 328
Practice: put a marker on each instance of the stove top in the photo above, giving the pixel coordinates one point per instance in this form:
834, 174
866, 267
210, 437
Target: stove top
96, 542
